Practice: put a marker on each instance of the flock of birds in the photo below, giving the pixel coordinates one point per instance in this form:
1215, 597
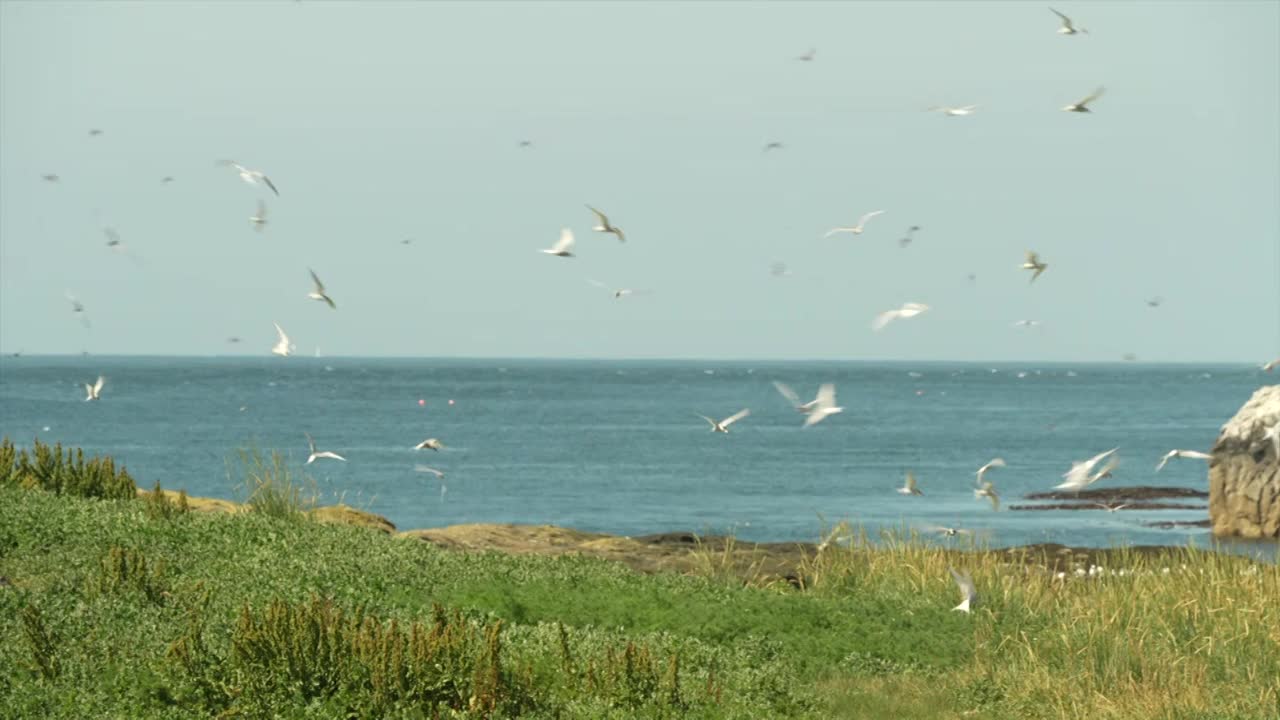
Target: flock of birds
1081, 474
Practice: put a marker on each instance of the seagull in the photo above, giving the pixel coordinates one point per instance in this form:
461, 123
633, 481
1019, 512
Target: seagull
318, 293
1155, 302
604, 225
856, 229
1067, 28
1033, 263
94, 391
1082, 106
259, 219
283, 346
909, 487
968, 593
51, 178
78, 309
1026, 323
982, 471
823, 406
809, 56
1112, 508
905, 240
311, 444
908, 310
954, 111
94, 132
772, 146
251, 176
723, 425
1269, 366
1078, 477
988, 490
791, 396
948, 531
429, 444
561, 248
1194, 454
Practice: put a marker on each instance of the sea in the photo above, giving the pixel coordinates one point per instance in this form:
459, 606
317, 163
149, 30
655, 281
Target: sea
617, 446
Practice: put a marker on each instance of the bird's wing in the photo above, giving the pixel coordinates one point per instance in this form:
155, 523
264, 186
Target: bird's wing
604, 219
97, 385
911, 481
330, 301
965, 583
835, 230
1096, 94
1098, 458
280, 331
316, 279
311, 444
425, 469
884, 318
1033, 258
267, 180
333, 455
704, 417
565, 241
786, 392
621, 236
1066, 21
1165, 460
826, 396
262, 210
868, 216
735, 417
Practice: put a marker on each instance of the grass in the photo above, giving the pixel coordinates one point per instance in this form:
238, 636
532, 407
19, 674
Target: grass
125, 608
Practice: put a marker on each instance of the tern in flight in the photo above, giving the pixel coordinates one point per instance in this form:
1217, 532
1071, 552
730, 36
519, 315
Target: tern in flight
988, 490
94, 391
1082, 106
78, 309
561, 248
954, 111
909, 487
856, 229
723, 425
968, 593
823, 406
809, 56
1079, 476
429, 444
283, 345
259, 218
791, 396
982, 471
251, 176
439, 476
909, 310
947, 531
1067, 27
604, 226
775, 145
318, 292
1033, 263
1194, 454
1269, 366
1112, 508
311, 445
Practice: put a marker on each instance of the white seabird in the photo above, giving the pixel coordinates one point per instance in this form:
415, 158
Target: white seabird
954, 111
604, 226
988, 490
429, 444
823, 406
251, 176
982, 471
318, 292
908, 310
1067, 27
909, 486
1033, 263
856, 229
791, 396
1194, 454
313, 456
259, 219
561, 248
1079, 477
968, 592
723, 425
1082, 106
94, 391
283, 345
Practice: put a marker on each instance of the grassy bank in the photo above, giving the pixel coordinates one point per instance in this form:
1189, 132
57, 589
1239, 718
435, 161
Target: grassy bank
137, 608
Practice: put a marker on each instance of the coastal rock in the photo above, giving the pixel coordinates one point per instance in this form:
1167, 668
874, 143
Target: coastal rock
1244, 474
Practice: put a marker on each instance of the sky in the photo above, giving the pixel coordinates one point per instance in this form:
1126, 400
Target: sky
381, 122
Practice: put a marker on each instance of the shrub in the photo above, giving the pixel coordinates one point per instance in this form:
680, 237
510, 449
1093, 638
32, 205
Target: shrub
271, 487
46, 467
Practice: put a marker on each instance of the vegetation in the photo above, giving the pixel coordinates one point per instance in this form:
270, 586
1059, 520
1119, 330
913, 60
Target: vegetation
142, 609
46, 467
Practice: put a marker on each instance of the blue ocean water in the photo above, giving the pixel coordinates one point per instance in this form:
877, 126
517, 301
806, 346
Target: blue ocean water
615, 446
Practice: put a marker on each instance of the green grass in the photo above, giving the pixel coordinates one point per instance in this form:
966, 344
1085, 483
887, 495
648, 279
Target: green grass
121, 609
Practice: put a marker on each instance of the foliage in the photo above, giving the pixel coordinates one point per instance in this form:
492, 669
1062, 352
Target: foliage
48, 468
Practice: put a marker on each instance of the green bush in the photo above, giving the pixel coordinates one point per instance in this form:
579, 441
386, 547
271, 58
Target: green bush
47, 467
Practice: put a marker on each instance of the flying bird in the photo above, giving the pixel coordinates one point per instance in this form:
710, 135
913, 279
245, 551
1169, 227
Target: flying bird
604, 225
51, 178
251, 176
723, 425
561, 248
318, 292
1269, 366
429, 444
1026, 323
77, 308
823, 406
166, 179
954, 111
1067, 27
1079, 477
617, 293
259, 218
283, 345
988, 490
968, 592
947, 531
1112, 508
94, 132
525, 144
311, 445
982, 471
1193, 454
1082, 106
439, 476
856, 229
909, 486
906, 239
1033, 263
94, 391
1155, 302
772, 146
809, 56
908, 310
791, 396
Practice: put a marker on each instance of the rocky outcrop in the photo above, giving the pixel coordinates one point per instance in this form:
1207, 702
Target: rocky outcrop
1244, 474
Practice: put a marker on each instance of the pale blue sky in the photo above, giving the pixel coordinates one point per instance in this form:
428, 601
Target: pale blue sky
386, 121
